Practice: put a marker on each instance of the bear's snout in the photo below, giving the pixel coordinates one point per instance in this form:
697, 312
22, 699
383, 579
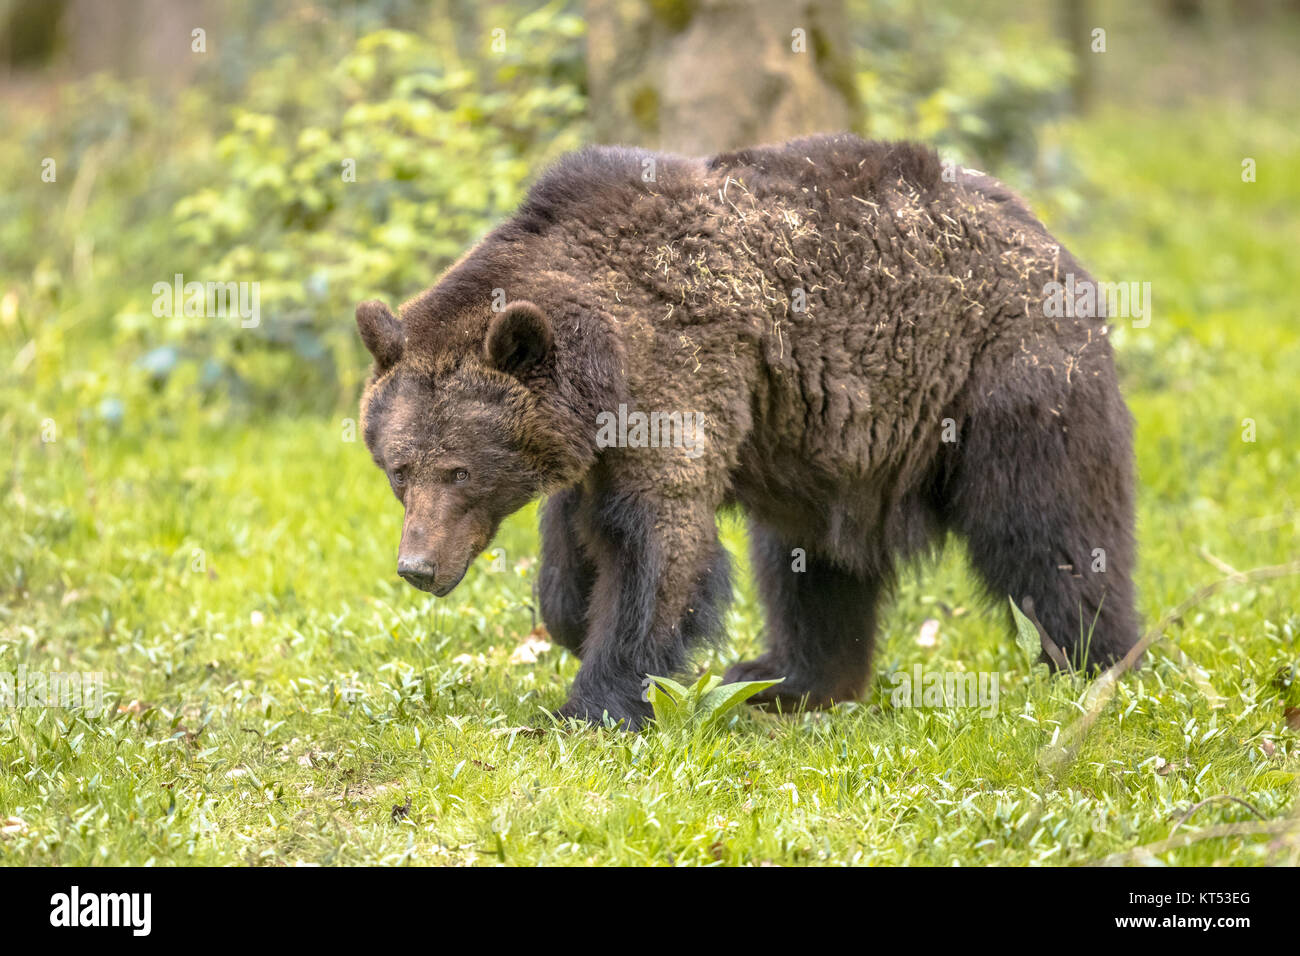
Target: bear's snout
437, 543
435, 577
423, 574
418, 572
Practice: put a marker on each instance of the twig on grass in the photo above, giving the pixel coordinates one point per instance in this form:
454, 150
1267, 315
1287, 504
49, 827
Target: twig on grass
1103, 689
1219, 563
1208, 800
1267, 828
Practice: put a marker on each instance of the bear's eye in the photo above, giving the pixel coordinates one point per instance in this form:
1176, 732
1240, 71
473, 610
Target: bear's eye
399, 475
461, 475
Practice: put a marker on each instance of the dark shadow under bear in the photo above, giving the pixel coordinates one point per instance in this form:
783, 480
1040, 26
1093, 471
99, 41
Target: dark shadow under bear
873, 356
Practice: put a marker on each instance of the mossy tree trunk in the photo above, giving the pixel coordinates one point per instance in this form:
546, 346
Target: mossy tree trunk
700, 76
125, 37
1077, 23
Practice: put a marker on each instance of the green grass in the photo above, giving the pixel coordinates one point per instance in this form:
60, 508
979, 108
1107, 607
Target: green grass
276, 692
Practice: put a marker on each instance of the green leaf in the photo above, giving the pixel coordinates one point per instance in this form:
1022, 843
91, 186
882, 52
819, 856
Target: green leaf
721, 699
666, 696
703, 703
1026, 634
669, 686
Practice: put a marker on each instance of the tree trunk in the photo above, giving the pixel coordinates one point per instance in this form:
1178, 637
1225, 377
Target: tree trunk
702, 76
1076, 27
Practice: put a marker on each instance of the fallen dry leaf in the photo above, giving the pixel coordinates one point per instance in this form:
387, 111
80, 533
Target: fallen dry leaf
532, 648
929, 634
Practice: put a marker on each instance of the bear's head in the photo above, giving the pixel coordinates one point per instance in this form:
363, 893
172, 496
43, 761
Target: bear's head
456, 419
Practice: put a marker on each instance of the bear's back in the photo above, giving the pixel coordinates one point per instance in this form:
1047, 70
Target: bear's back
829, 162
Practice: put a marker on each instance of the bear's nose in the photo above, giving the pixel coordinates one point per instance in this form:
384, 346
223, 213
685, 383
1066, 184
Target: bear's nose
417, 572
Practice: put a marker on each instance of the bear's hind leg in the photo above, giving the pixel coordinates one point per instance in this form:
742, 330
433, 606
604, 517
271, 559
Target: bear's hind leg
1045, 503
566, 576
820, 627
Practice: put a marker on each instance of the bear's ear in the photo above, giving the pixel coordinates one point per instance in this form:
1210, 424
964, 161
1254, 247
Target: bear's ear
381, 332
518, 338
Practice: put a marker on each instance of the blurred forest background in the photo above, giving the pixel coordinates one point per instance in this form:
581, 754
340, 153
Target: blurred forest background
219, 154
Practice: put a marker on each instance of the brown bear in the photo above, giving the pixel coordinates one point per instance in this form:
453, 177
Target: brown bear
845, 339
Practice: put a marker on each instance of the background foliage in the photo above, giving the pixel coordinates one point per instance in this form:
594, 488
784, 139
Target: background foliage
239, 175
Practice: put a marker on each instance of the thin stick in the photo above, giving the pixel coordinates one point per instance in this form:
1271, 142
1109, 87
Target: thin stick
1220, 564
1209, 800
1103, 689
1238, 577
1269, 827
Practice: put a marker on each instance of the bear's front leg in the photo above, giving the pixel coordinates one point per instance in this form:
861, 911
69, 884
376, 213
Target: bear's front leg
662, 584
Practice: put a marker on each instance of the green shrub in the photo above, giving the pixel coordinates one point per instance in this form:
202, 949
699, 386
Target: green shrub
323, 169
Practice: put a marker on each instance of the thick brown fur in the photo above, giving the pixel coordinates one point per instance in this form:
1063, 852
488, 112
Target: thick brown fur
869, 349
